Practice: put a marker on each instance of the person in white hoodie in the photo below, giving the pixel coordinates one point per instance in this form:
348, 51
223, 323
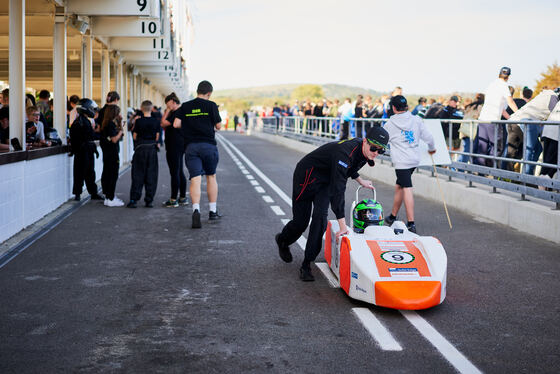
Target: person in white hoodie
405, 131
550, 137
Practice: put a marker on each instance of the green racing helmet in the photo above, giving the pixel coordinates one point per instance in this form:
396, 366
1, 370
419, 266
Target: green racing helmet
366, 213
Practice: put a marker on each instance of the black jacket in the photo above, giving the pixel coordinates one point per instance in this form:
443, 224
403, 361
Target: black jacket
329, 166
81, 133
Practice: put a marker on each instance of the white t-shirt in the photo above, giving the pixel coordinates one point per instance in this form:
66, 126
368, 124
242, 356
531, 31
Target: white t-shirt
495, 101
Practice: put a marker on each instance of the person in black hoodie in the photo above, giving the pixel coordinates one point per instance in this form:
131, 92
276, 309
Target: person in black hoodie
83, 148
111, 133
319, 178
174, 153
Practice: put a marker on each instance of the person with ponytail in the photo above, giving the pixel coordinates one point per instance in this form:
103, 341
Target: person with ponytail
112, 99
175, 152
111, 133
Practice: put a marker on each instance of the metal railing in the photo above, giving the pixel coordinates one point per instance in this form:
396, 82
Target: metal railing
319, 130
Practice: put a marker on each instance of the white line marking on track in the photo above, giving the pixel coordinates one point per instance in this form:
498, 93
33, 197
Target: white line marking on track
276, 209
326, 270
259, 189
285, 221
302, 242
451, 354
250, 177
377, 330
254, 183
267, 180
245, 171
267, 199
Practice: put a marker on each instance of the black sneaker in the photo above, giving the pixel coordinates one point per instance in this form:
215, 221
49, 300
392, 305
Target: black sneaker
196, 220
389, 221
77, 197
213, 216
183, 201
171, 203
149, 204
97, 197
283, 250
131, 204
411, 227
305, 274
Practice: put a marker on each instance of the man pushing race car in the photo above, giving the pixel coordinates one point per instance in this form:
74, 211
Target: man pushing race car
319, 178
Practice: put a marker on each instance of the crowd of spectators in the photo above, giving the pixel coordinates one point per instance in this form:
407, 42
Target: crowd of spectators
39, 131
461, 136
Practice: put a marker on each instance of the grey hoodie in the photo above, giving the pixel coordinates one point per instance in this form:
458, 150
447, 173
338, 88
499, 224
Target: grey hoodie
405, 130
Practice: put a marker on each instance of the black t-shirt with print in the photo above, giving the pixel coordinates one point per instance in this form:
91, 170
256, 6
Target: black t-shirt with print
198, 118
146, 129
173, 136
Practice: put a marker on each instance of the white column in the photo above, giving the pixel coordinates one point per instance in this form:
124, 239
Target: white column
134, 88
121, 89
140, 80
105, 74
118, 78
59, 73
17, 70
119, 85
131, 89
87, 61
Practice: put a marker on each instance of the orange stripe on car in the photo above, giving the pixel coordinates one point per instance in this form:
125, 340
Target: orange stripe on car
378, 247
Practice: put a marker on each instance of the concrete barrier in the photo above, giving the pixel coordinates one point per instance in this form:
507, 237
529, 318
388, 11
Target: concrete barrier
526, 216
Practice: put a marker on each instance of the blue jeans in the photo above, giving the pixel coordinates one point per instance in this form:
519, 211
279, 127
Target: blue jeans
533, 147
466, 148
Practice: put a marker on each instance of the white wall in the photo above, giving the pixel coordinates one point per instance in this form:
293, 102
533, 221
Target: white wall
29, 190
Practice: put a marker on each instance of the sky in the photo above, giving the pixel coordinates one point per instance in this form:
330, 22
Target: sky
427, 47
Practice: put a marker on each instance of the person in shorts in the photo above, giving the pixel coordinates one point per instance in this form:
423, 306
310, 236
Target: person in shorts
198, 120
405, 131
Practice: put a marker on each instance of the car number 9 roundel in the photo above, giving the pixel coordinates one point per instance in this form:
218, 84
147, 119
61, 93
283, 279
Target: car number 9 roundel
396, 257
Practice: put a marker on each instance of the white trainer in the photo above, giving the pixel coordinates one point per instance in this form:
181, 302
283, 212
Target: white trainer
115, 202
105, 202
118, 200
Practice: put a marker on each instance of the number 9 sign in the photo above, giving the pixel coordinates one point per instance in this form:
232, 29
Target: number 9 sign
396, 257
142, 4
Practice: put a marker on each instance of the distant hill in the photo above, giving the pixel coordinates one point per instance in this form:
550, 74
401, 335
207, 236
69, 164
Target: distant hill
284, 91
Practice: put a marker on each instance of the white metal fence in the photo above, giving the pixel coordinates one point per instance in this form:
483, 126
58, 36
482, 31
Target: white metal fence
494, 169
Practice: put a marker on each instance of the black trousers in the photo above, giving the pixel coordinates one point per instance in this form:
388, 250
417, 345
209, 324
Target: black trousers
550, 155
344, 130
144, 172
174, 156
359, 127
312, 203
84, 170
110, 171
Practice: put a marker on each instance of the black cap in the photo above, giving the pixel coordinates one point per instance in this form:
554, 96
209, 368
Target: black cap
505, 71
454, 98
399, 102
378, 136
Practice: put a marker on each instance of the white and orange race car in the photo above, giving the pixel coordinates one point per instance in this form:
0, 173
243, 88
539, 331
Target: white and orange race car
388, 266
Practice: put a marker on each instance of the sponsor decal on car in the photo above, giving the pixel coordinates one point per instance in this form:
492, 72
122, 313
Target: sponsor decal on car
354, 275
403, 271
358, 288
